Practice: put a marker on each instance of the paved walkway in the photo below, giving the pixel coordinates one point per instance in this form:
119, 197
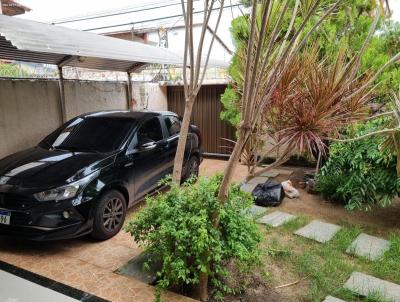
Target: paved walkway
364, 285
276, 219
319, 231
16, 289
369, 247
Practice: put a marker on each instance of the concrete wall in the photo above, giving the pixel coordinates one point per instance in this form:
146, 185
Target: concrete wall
30, 109
82, 97
149, 96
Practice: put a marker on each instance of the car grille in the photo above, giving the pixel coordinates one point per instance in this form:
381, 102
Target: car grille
15, 202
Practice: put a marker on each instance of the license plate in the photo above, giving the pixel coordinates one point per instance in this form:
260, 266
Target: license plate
5, 217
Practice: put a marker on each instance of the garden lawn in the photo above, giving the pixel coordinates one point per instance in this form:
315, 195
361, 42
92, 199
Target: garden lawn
322, 268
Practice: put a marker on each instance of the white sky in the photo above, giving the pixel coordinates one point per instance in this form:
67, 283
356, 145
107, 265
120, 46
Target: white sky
395, 7
54, 10
50, 10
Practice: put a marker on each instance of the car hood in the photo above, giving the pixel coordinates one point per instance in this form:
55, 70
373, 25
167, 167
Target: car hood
41, 168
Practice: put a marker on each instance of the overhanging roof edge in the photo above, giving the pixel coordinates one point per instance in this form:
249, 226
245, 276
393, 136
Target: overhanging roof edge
32, 41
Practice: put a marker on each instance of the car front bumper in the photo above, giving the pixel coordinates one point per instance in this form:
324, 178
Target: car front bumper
46, 221
44, 234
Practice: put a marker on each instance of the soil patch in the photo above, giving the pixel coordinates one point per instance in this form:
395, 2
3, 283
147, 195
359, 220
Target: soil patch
381, 221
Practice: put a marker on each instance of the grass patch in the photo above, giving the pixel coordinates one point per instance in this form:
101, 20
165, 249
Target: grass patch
345, 237
388, 267
295, 224
326, 267
376, 297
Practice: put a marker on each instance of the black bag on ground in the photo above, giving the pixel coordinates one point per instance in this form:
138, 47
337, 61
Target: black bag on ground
268, 194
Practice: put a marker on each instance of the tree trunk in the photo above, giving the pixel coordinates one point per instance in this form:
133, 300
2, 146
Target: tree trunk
180, 151
202, 290
230, 167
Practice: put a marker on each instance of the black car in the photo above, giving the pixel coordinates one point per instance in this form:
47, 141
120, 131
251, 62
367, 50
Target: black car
82, 177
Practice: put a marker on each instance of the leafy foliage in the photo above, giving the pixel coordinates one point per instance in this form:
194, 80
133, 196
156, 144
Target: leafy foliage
380, 50
231, 101
347, 28
392, 142
12, 70
360, 173
313, 101
176, 227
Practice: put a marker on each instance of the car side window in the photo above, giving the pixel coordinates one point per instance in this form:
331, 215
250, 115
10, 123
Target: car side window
173, 125
150, 130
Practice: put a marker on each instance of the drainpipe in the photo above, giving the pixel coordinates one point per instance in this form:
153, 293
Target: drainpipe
129, 94
62, 94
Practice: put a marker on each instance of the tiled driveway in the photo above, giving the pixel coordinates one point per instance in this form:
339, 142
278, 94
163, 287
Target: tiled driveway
84, 264
89, 265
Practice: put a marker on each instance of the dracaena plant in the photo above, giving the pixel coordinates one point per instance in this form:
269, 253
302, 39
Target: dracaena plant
317, 101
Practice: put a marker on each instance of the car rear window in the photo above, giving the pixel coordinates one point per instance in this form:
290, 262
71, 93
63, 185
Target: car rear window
173, 125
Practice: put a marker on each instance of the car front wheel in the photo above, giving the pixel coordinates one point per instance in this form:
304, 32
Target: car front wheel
109, 215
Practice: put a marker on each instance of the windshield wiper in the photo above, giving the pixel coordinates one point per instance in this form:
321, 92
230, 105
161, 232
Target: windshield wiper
77, 149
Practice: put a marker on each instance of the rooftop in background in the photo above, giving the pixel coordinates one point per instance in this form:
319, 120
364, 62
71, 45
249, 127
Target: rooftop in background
12, 8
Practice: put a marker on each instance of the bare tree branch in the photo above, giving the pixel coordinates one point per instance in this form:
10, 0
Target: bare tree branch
214, 34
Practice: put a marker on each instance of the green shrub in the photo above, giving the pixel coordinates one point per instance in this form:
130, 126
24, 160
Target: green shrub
231, 101
360, 173
176, 229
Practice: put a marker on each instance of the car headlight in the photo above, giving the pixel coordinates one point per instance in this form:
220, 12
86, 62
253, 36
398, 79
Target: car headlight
67, 191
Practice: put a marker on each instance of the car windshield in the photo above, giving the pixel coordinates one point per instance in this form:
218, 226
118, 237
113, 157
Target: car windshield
91, 134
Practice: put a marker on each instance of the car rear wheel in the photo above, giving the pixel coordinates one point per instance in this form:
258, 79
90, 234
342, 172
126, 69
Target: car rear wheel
192, 167
109, 215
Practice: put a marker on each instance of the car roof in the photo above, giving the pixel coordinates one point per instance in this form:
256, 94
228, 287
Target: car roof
134, 114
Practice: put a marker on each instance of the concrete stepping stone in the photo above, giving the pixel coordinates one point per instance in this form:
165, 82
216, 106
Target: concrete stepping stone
364, 285
367, 246
332, 299
257, 211
319, 231
282, 171
257, 180
248, 187
276, 218
270, 174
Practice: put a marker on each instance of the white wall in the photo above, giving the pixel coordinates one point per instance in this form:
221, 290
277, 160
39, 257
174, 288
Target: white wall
30, 109
82, 97
149, 96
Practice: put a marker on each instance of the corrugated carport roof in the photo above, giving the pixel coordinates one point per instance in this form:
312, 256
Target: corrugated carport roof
31, 41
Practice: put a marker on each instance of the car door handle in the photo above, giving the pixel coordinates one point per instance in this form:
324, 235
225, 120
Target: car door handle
148, 146
128, 164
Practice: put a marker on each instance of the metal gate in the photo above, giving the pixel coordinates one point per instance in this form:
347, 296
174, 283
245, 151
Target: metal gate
206, 115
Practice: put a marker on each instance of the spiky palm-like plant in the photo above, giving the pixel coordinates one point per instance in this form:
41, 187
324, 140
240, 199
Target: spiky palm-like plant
318, 101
